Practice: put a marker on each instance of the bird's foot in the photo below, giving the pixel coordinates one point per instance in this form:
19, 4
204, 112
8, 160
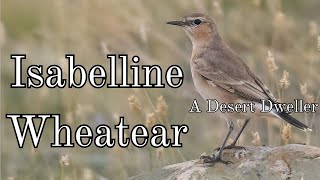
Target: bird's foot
213, 160
231, 146
300, 143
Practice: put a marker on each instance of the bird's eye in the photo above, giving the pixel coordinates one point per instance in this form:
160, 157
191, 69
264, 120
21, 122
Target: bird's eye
197, 21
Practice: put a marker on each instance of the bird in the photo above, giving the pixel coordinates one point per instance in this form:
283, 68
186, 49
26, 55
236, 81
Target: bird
219, 73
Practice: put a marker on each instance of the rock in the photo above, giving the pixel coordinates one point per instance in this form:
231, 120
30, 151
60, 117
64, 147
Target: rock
285, 162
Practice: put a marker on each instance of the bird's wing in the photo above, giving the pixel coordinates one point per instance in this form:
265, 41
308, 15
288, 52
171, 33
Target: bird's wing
231, 74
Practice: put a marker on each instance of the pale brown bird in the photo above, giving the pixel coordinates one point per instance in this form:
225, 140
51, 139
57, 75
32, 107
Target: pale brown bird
218, 73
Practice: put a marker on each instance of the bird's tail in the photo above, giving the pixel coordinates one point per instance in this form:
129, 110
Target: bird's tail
293, 121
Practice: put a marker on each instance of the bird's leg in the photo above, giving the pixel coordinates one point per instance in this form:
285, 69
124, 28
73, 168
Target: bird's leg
240, 132
233, 144
214, 159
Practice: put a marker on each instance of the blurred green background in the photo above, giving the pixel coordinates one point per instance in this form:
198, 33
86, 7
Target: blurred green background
47, 30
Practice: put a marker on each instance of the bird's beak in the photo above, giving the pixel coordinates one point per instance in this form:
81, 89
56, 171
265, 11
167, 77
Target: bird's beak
176, 23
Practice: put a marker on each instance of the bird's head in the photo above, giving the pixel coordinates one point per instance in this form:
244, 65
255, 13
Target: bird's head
199, 27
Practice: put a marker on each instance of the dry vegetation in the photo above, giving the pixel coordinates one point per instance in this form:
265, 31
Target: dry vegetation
279, 40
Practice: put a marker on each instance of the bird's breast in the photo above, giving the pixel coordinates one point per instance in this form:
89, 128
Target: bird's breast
206, 90
209, 90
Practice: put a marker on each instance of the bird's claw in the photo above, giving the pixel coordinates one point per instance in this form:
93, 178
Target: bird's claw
213, 159
230, 147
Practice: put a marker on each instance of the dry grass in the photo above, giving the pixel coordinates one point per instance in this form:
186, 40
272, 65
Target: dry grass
46, 30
